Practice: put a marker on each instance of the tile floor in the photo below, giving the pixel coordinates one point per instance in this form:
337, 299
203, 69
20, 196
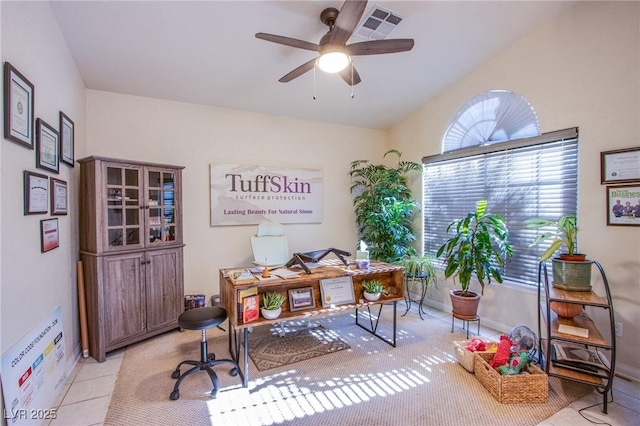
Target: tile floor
86, 397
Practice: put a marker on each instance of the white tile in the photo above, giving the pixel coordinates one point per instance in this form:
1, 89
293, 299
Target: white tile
82, 390
92, 411
91, 370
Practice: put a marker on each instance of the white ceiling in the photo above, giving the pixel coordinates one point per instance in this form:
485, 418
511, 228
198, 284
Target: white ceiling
205, 52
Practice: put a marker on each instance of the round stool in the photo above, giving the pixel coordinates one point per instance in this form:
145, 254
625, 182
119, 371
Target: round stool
202, 319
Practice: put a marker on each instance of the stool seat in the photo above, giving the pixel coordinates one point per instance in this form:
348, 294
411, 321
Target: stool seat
202, 318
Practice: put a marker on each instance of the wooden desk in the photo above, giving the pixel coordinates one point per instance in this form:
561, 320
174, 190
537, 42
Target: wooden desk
392, 276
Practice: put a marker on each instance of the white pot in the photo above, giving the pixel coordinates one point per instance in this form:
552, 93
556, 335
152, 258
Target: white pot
372, 297
270, 314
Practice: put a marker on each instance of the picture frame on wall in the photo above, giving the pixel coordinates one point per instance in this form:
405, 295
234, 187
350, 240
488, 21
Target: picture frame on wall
620, 166
301, 298
36, 193
18, 107
623, 205
67, 139
49, 234
47, 147
58, 197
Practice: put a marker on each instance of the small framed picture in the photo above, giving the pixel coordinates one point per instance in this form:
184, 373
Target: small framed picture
67, 135
47, 147
18, 107
58, 197
623, 205
49, 235
620, 166
301, 298
36, 193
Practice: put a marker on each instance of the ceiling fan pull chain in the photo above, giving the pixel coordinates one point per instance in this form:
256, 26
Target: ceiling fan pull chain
314, 82
352, 95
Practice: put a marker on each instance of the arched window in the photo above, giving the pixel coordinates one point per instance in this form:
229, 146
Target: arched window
490, 117
493, 151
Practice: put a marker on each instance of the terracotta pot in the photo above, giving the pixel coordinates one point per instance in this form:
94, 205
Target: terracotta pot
566, 310
577, 257
464, 305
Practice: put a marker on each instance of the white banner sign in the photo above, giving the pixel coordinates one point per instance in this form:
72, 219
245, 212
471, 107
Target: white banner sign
248, 195
33, 374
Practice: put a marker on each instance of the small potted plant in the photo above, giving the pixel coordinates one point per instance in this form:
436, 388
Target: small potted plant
272, 304
419, 268
478, 247
373, 289
571, 269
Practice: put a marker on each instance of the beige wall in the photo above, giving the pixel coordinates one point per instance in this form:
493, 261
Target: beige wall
195, 136
33, 284
581, 70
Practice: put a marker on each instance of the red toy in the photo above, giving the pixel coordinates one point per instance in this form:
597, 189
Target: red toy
503, 353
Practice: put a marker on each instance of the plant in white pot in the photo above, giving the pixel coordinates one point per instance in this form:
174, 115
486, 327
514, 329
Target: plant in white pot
571, 269
373, 289
272, 304
479, 247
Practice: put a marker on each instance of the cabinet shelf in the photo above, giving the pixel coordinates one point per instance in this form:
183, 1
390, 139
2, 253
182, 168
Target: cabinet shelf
546, 316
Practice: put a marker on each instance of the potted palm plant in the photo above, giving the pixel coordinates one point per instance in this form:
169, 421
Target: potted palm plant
571, 269
384, 207
478, 247
272, 304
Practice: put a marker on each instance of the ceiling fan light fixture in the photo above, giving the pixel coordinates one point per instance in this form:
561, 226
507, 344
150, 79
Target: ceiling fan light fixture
333, 62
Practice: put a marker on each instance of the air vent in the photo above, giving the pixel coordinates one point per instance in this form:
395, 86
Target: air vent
378, 24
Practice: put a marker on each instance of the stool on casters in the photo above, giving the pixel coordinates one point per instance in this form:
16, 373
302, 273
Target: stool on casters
202, 319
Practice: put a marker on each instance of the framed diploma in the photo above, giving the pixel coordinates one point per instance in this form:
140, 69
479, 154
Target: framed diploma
620, 166
49, 235
18, 107
58, 197
67, 134
47, 147
36, 193
337, 291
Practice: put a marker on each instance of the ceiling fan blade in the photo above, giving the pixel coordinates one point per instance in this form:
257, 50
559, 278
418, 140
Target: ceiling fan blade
377, 47
288, 41
346, 22
346, 76
307, 66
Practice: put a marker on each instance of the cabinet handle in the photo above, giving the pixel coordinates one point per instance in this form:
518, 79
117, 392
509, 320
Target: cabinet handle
142, 262
141, 206
148, 262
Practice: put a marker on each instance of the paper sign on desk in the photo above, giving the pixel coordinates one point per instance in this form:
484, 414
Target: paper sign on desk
285, 273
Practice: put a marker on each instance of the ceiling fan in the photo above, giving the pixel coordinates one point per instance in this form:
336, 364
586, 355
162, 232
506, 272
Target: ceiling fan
333, 45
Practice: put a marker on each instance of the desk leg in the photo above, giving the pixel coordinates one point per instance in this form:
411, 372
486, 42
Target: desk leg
373, 329
234, 349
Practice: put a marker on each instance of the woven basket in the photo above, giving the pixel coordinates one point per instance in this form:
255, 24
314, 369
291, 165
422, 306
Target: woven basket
465, 357
531, 387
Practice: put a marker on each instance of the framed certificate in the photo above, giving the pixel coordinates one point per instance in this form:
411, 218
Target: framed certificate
49, 235
337, 291
36, 193
58, 197
18, 107
47, 147
620, 166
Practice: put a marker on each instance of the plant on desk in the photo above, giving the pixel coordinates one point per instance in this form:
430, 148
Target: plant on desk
373, 289
272, 304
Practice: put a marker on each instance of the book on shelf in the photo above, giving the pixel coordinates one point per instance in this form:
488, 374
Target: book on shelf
250, 291
250, 308
574, 331
240, 276
580, 358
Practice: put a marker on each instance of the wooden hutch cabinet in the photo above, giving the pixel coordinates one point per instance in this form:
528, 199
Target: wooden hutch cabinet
131, 249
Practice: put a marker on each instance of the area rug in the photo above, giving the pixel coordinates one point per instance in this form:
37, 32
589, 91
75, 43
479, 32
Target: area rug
275, 351
419, 383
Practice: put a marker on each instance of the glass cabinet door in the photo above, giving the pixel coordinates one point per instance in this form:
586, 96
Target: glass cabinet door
161, 188
124, 214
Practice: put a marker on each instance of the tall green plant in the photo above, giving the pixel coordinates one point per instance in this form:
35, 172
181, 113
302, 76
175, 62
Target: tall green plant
384, 207
478, 247
565, 233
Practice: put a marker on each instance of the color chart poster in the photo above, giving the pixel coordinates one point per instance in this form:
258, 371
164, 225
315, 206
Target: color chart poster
34, 372
248, 195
